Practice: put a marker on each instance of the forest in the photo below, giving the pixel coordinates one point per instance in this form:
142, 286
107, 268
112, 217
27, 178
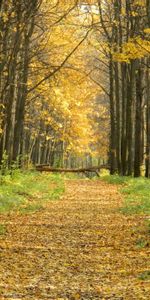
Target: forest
75, 83
74, 149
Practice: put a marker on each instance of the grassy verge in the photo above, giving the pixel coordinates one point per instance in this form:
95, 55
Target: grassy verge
136, 192
27, 191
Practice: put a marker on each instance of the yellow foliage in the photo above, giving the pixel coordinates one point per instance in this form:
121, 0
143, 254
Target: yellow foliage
133, 49
64, 102
147, 30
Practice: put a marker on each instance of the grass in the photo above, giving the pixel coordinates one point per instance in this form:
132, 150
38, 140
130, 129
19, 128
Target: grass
145, 275
27, 191
137, 196
2, 229
136, 193
74, 176
141, 243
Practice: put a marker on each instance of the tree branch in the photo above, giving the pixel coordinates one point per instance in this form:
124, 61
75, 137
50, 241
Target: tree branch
62, 64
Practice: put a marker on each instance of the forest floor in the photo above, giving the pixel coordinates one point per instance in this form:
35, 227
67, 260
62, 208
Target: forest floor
78, 247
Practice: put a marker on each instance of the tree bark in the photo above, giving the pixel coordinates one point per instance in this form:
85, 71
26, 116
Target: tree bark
138, 121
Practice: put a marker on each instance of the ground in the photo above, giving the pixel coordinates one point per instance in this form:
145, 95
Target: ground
78, 247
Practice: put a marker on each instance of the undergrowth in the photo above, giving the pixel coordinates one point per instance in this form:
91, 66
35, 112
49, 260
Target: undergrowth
136, 193
27, 191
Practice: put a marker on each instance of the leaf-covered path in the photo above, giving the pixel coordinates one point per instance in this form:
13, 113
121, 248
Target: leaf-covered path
80, 247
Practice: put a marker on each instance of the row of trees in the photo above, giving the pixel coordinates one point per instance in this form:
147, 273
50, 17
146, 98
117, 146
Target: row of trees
66, 70
123, 32
129, 92
17, 23
48, 108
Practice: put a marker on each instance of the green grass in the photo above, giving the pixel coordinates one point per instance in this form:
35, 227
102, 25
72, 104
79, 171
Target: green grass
27, 191
145, 275
142, 243
137, 196
2, 229
136, 193
115, 179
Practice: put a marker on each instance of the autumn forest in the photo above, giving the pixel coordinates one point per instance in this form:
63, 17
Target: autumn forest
75, 83
75, 97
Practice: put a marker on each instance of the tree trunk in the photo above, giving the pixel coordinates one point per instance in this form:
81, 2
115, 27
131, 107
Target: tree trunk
112, 120
129, 113
138, 121
147, 162
124, 136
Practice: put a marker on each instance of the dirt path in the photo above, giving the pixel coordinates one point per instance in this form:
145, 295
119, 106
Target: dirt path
77, 248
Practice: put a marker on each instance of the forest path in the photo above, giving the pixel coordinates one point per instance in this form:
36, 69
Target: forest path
80, 247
